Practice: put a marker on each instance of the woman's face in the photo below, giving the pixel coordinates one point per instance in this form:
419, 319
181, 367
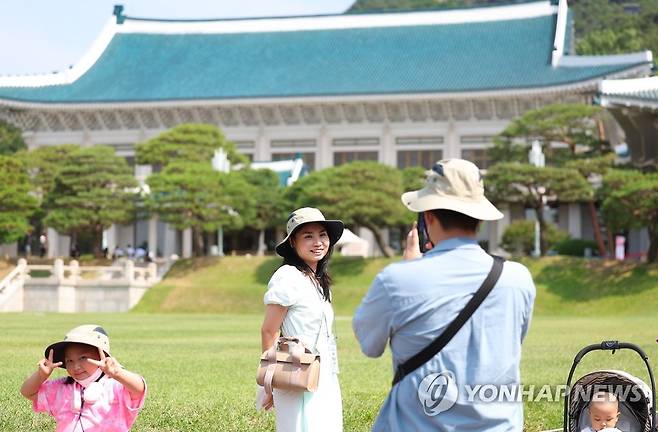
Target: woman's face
311, 242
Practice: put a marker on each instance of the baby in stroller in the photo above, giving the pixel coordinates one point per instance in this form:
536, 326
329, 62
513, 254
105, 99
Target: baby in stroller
610, 400
603, 413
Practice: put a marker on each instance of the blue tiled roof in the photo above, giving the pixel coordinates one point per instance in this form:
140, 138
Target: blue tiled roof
495, 55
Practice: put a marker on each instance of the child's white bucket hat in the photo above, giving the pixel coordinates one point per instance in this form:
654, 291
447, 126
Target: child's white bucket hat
453, 184
88, 334
304, 216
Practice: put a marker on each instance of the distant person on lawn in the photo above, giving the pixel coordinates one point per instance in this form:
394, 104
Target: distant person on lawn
412, 302
298, 304
99, 395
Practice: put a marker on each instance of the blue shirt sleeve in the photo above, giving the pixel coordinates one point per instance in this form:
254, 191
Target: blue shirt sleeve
372, 320
529, 297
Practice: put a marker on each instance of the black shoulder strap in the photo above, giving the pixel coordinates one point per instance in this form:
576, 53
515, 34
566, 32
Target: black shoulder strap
442, 340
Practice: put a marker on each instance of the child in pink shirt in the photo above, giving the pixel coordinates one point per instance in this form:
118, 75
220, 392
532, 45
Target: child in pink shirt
97, 396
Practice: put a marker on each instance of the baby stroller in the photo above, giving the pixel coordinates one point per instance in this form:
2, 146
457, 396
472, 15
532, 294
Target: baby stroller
636, 399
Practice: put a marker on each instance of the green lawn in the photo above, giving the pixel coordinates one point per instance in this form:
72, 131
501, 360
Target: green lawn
200, 367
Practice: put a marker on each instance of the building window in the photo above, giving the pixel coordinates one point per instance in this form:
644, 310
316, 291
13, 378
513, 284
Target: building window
475, 149
356, 142
476, 139
479, 157
419, 140
244, 145
341, 158
294, 143
308, 158
421, 158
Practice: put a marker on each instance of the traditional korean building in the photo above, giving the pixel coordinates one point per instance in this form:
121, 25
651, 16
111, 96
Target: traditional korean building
634, 104
401, 88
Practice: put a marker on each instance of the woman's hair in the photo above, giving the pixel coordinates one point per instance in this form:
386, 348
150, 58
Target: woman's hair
321, 277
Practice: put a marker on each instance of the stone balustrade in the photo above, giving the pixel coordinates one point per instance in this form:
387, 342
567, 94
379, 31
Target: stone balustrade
75, 288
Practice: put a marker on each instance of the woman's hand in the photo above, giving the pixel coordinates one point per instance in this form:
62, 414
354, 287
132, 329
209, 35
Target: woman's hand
46, 365
268, 401
109, 365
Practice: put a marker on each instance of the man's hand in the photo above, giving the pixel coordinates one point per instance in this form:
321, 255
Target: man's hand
109, 365
412, 249
46, 365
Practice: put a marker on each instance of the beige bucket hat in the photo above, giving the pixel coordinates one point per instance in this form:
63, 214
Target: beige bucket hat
304, 216
453, 184
88, 334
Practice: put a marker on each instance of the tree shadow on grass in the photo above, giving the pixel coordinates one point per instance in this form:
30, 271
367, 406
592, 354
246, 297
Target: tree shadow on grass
265, 271
583, 280
347, 267
186, 266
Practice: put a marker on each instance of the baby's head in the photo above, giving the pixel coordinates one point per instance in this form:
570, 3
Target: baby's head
604, 411
80, 344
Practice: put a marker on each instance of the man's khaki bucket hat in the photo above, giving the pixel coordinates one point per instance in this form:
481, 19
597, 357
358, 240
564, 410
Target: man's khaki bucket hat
89, 334
304, 216
453, 184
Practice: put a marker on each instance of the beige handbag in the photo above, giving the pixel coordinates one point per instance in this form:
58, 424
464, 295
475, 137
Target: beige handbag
289, 365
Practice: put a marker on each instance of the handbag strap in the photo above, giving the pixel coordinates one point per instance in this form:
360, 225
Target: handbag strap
442, 340
317, 338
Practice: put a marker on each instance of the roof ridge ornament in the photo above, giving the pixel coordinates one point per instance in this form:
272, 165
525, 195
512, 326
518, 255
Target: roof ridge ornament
560, 33
118, 12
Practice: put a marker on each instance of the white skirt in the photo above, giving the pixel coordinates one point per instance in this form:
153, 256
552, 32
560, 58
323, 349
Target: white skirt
320, 411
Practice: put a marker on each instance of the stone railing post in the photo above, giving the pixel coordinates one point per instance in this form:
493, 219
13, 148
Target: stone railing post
74, 267
22, 266
58, 270
129, 271
152, 271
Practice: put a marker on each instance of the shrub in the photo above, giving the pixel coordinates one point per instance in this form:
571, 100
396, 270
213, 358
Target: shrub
575, 247
519, 237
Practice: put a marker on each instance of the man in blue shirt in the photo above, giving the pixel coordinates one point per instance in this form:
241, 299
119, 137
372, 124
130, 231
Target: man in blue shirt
410, 304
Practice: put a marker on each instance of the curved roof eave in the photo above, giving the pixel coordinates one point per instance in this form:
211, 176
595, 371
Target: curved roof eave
589, 84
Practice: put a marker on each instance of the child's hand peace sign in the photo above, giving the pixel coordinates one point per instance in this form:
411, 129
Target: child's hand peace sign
109, 365
46, 365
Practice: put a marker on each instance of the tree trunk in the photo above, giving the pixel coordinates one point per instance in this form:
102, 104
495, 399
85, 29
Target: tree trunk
597, 229
611, 245
543, 244
261, 243
98, 242
198, 242
379, 239
652, 253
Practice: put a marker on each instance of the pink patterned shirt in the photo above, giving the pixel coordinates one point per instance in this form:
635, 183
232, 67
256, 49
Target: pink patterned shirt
114, 411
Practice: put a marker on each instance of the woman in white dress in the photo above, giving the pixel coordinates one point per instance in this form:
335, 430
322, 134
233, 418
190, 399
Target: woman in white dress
298, 303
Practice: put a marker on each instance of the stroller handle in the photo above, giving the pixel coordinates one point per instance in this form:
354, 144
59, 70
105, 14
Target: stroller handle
610, 346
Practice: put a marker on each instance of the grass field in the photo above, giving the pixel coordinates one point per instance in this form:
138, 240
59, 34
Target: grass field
565, 286
200, 367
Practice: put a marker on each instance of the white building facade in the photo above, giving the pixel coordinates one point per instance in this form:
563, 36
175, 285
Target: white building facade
404, 89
